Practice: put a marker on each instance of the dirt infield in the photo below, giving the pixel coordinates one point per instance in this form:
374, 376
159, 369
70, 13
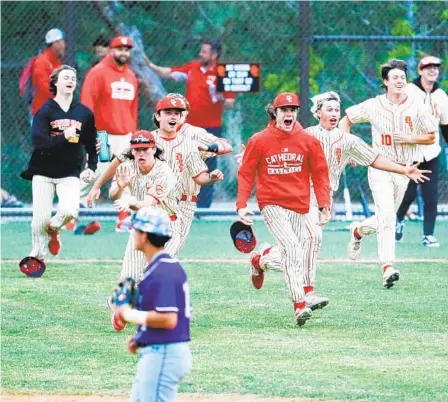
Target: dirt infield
180, 398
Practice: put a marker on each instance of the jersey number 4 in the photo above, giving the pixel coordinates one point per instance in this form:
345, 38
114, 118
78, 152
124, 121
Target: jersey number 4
386, 139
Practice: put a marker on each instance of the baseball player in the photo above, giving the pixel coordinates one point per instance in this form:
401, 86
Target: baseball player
284, 158
162, 312
150, 181
61, 127
211, 146
399, 126
184, 159
339, 149
426, 89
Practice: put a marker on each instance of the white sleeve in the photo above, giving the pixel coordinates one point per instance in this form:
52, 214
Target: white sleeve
360, 152
360, 113
195, 164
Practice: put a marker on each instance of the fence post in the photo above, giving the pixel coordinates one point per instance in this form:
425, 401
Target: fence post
304, 34
70, 32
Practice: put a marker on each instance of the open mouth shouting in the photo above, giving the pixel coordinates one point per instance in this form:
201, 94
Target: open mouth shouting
172, 123
288, 122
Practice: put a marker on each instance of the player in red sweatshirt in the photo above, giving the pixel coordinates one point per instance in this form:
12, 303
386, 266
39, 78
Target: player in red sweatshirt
280, 161
110, 90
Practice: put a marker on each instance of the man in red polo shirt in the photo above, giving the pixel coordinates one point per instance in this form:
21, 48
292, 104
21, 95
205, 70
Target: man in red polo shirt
44, 65
206, 105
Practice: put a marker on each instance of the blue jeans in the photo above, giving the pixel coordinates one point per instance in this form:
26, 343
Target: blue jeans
160, 370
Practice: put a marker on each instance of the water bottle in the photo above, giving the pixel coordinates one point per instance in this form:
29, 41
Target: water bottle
104, 155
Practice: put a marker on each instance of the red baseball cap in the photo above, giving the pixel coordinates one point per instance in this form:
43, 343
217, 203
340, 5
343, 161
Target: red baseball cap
143, 139
426, 61
170, 102
120, 41
286, 99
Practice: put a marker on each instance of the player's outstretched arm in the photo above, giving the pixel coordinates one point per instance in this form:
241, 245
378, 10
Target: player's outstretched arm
423, 139
206, 178
413, 172
344, 125
95, 192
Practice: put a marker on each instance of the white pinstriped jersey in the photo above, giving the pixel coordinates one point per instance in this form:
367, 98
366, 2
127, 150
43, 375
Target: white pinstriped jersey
387, 118
340, 149
437, 104
159, 183
201, 136
183, 156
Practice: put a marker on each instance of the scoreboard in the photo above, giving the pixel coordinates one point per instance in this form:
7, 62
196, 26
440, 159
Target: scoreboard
238, 77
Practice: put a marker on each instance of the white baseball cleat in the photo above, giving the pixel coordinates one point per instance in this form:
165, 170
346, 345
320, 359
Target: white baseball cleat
390, 276
302, 315
354, 245
430, 241
314, 302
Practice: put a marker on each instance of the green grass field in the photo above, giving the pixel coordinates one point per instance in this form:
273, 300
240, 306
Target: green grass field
368, 344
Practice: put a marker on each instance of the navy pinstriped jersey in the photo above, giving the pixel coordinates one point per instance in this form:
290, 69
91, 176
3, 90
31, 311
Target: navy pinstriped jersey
164, 288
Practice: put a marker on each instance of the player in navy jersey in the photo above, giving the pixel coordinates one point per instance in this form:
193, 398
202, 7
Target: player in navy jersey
162, 313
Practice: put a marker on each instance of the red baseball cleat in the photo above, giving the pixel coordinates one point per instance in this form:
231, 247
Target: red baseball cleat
54, 245
255, 271
92, 228
117, 323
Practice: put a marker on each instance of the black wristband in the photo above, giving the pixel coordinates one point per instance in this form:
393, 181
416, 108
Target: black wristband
444, 130
213, 148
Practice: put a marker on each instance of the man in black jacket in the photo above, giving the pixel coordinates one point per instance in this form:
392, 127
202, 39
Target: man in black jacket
61, 128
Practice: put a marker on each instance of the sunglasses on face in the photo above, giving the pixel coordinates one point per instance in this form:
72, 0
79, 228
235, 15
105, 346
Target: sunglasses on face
142, 141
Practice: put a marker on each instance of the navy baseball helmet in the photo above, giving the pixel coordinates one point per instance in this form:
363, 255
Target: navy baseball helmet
243, 237
32, 267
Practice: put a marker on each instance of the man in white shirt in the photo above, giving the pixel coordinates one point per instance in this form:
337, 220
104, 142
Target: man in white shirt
426, 89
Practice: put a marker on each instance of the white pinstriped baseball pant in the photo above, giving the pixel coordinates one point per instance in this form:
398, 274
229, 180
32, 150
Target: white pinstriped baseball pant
181, 227
288, 229
388, 191
44, 189
134, 261
312, 244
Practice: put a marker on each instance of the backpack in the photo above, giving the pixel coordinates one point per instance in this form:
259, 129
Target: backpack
26, 81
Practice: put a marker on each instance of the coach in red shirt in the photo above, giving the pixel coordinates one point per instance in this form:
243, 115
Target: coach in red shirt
44, 64
206, 105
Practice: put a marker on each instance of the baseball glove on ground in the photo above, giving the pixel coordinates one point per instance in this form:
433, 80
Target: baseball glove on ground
125, 293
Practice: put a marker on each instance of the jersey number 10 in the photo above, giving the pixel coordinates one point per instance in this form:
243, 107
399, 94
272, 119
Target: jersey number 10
386, 139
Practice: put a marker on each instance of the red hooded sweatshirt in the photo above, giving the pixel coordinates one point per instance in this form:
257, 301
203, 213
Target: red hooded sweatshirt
112, 95
43, 66
281, 164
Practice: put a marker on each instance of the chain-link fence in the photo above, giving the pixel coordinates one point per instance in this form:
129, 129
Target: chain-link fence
328, 45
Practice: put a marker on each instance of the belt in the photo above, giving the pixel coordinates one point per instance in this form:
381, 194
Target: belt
191, 198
